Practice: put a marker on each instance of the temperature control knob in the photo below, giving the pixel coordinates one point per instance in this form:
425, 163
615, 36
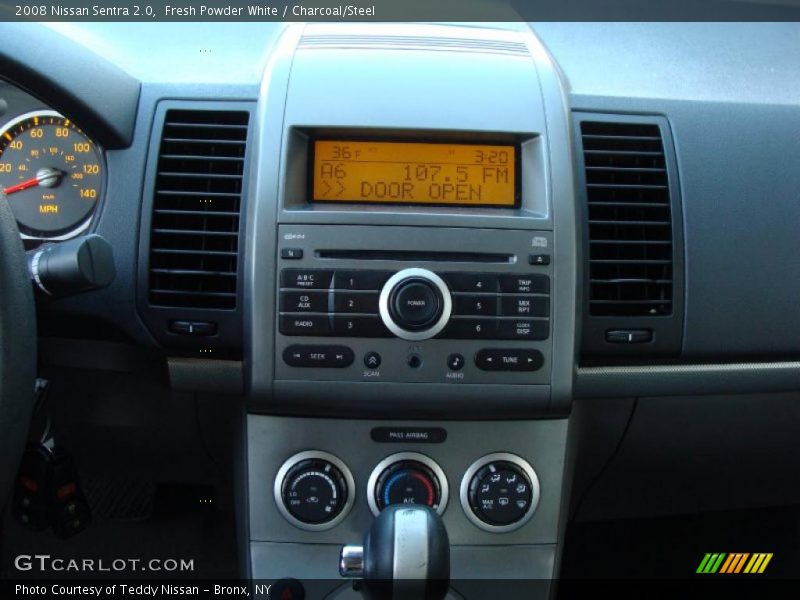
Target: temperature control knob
407, 478
500, 492
314, 490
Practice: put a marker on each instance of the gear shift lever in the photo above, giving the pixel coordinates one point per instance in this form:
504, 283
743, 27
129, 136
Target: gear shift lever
406, 555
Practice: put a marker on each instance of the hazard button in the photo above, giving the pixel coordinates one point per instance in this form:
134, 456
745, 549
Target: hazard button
287, 589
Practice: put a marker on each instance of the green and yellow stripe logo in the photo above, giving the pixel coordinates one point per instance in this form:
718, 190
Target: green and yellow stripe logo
733, 563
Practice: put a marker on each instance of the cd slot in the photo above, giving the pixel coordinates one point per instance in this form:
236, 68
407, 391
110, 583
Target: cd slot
419, 255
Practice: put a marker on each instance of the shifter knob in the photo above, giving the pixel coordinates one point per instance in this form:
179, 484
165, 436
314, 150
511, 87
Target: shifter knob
406, 554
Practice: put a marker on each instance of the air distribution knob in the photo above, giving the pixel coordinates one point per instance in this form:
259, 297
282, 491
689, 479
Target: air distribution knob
415, 304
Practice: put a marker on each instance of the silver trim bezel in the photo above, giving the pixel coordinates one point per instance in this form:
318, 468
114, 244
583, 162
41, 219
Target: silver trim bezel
518, 461
306, 455
401, 456
415, 336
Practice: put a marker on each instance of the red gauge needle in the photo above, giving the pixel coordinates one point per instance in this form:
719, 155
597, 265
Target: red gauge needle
33, 181
44, 177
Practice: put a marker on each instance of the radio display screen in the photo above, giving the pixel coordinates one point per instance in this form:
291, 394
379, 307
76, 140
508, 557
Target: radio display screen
414, 173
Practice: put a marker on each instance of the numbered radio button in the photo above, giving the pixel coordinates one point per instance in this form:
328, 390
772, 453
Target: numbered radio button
465, 304
470, 329
355, 302
370, 327
484, 283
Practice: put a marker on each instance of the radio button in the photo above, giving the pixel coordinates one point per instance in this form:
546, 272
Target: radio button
359, 327
525, 284
336, 357
475, 305
522, 329
310, 279
514, 359
470, 329
300, 302
525, 306
304, 324
360, 280
355, 302
471, 282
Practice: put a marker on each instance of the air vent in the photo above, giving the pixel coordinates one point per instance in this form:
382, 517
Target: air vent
194, 243
629, 220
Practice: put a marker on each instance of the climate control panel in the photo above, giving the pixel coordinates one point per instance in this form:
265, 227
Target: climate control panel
397, 304
315, 490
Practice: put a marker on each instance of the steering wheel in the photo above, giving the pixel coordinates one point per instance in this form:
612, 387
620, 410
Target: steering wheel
17, 349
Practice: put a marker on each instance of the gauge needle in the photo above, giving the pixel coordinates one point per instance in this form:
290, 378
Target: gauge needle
44, 177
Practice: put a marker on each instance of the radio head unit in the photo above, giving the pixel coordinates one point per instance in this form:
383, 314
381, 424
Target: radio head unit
354, 304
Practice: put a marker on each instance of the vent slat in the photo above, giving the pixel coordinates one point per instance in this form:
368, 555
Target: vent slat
629, 220
198, 232
190, 175
194, 242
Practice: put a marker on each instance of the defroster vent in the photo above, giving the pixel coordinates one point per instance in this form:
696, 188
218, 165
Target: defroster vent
629, 220
194, 243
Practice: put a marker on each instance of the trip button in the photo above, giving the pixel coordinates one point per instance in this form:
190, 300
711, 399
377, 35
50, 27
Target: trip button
355, 302
361, 280
304, 325
525, 306
464, 304
300, 302
328, 357
522, 329
512, 359
525, 284
471, 282
360, 327
310, 279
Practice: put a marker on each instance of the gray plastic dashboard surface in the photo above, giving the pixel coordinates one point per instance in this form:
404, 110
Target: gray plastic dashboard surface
729, 92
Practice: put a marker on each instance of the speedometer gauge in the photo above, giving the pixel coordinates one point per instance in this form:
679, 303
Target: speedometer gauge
51, 175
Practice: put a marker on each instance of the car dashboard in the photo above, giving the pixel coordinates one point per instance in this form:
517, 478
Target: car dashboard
524, 275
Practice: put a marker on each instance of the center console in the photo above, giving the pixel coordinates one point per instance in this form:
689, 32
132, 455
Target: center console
411, 316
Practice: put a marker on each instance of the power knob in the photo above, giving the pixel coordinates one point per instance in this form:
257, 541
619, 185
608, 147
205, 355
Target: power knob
415, 304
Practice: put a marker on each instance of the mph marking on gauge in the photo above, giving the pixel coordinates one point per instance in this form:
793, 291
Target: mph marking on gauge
50, 173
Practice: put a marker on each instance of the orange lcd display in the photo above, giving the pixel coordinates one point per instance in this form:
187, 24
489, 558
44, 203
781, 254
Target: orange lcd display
414, 173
